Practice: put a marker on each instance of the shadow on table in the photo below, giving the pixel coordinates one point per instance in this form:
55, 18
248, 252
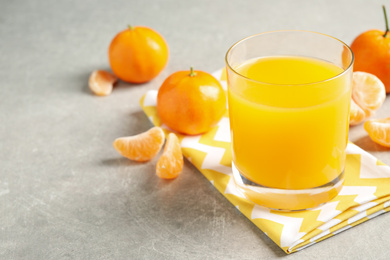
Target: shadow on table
142, 121
120, 161
367, 144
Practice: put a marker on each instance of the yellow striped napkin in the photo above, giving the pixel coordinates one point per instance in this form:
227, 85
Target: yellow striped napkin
365, 195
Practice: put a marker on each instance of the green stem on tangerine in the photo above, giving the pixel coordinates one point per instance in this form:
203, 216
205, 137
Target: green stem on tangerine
130, 27
387, 23
192, 72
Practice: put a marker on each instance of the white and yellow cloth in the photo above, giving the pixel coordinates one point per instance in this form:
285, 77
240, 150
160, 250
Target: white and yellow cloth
365, 195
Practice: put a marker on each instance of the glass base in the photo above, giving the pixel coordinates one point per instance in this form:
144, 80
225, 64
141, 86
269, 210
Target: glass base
284, 199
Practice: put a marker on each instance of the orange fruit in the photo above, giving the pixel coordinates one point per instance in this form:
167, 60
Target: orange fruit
101, 82
368, 95
379, 130
191, 102
138, 54
141, 147
372, 53
170, 163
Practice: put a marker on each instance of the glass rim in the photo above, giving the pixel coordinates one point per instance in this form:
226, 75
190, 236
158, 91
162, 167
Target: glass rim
281, 31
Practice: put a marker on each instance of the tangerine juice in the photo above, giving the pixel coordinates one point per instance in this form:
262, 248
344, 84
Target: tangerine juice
289, 122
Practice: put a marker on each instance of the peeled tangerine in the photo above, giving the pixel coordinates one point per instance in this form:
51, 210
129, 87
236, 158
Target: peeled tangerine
379, 130
141, 147
170, 163
101, 82
368, 95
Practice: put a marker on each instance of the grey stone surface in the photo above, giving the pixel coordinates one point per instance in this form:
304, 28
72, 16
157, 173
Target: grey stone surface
66, 194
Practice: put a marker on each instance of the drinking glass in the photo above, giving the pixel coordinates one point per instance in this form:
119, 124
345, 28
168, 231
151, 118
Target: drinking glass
289, 94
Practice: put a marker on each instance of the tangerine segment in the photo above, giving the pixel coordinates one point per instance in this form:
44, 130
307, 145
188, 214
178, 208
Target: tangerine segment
170, 163
356, 114
101, 82
379, 130
141, 147
368, 91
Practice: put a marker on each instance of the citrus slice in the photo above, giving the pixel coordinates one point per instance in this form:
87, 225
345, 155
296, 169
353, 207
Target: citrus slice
356, 114
170, 163
368, 94
141, 147
101, 82
379, 130
368, 91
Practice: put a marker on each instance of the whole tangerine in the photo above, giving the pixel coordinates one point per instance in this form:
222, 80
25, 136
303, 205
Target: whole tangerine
138, 54
372, 53
191, 102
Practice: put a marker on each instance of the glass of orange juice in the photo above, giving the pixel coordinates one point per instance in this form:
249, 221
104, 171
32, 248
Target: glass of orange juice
289, 94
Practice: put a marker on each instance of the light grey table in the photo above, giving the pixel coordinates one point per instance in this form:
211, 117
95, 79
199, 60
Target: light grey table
66, 194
